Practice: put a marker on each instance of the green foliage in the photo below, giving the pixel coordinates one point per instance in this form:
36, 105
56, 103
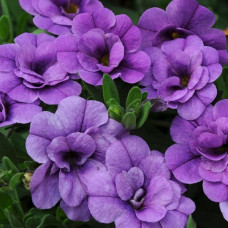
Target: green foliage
136, 108
191, 223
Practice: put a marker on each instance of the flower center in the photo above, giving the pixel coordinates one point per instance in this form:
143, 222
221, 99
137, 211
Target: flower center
184, 81
72, 8
175, 35
105, 60
137, 201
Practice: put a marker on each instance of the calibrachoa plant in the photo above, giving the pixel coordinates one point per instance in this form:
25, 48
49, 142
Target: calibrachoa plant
90, 103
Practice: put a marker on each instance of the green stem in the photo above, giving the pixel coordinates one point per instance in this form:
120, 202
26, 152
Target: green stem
5, 11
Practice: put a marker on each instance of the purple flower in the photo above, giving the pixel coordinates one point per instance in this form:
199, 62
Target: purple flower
201, 152
29, 71
12, 112
56, 15
76, 136
182, 18
103, 43
182, 73
136, 189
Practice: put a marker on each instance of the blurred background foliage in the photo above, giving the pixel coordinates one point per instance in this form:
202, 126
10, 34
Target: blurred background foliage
16, 208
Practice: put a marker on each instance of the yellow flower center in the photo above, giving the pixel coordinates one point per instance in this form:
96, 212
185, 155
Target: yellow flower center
175, 35
184, 81
72, 8
105, 60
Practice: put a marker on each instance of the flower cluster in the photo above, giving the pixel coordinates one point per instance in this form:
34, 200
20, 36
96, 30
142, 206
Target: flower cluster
92, 166
200, 152
88, 162
186, 53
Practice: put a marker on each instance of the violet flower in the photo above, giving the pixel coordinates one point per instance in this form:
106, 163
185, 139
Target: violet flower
136, 189
182, 73
182, 18
103, 43
12, 112
76, 136
56, 16
201, 152
29, 71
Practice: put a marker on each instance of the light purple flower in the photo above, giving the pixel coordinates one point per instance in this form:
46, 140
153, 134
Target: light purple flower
56, 16
12, 112
136, 189
182, 18
29, 71
182, 73
201, 152
103, 43
76, 136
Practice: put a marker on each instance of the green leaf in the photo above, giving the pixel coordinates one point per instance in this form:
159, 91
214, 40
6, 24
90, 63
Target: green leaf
144, 96
8, 164
38, 31
143, 114
134, 94
191, 223
134, 107
5, 200
109, 89
4, 28
15, 180
129, 121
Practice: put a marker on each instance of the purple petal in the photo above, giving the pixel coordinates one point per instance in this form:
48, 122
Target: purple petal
79, 213
174, 219
23, 113
129, 34
54, 94
69, 61
124, 154
181, 130
82, 24
224, 209
36, 148
216, 192
23, 94
71, 188
134, 66
106, 209
8, 81
44, 187
207, 94
93, 78
180, 160
129, 182
186, 206
128, 219
153, 166
220, 109
192, 109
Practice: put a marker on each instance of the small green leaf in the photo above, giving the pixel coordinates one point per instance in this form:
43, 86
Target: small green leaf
134, 107
129, 120
191, 223
38, 31
4, 28
15, 180
143, 114
144, 96
134, 93
109, 89
8, 164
